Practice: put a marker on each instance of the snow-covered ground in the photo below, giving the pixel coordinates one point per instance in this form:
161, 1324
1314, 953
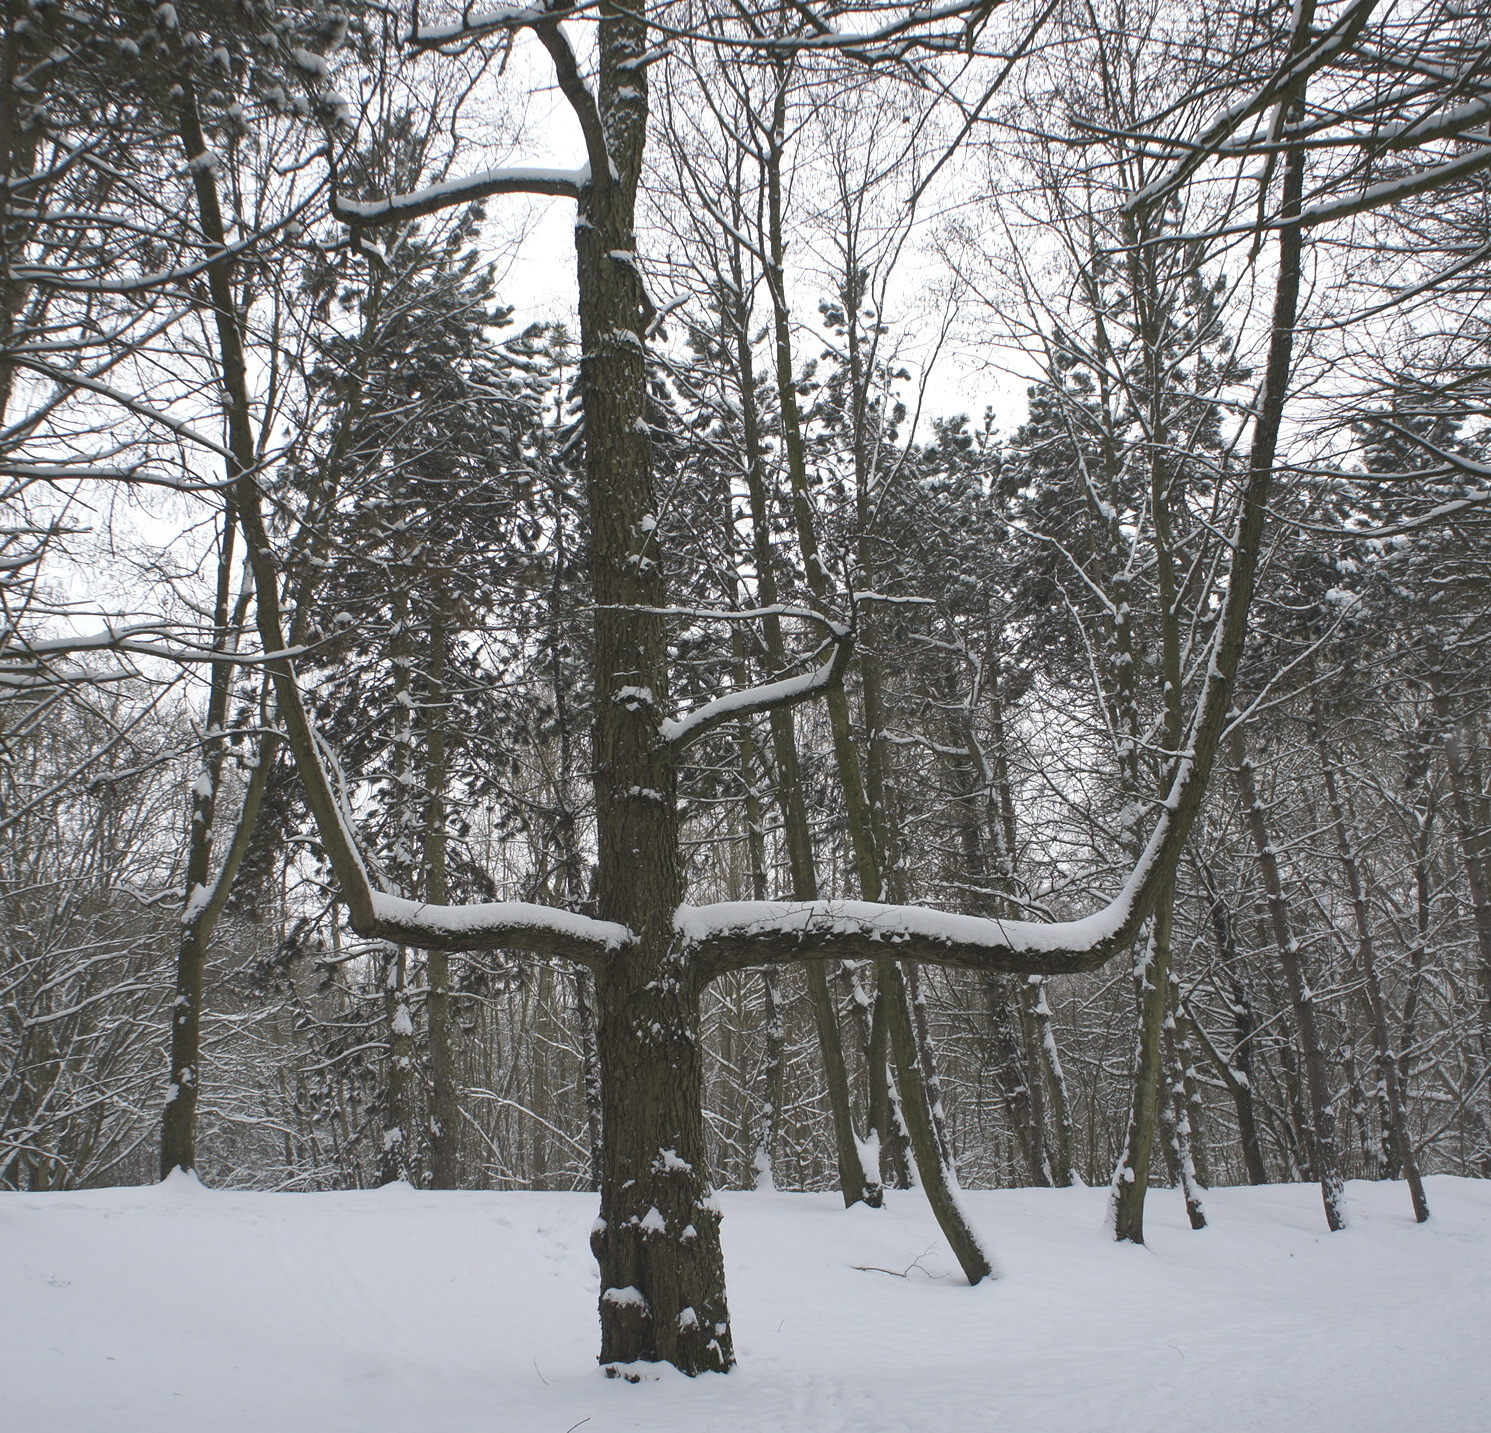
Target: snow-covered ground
175, 1308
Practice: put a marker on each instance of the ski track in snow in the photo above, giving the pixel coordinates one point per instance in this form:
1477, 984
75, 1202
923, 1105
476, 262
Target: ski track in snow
177, 1308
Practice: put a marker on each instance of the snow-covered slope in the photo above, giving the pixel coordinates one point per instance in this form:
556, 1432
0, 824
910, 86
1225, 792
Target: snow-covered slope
176, 1308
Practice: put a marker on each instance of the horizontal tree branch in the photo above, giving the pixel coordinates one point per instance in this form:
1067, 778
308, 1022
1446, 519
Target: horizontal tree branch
734, 935
495, 925
559, 183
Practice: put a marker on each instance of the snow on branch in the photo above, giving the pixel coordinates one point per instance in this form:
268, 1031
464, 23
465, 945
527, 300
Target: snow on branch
895, 38
148, 639
750, 701
1404, 186
1442, 125
474, 26
1284, 81
561, 183
68, 472
495, 925
732, 935
735, 935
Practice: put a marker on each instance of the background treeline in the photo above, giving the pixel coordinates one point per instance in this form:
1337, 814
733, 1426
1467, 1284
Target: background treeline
1032, 609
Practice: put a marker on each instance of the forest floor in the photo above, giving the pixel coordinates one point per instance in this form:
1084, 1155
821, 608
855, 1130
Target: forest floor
175, 1307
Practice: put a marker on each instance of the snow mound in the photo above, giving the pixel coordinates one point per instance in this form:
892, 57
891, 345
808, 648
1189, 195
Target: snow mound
180, 1308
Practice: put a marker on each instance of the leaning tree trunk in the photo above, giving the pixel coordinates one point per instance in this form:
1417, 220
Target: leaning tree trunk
1181, 1127
936, 1175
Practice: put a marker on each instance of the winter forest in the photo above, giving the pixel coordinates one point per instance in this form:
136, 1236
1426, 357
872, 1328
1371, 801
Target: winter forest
640, 600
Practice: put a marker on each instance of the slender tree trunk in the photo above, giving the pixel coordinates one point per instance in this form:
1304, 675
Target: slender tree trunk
1468, 802
887, 1122
942, 1190
1239, 1082
397, 1159
1152, 981
1324, 1152
445, 1115
1181, 1131
773, 1072
1012, 1074
400, 1124
1236, 1073
205, 897
590, 1069
1060, 1157
179, 1122
859, 1177
1044, 1081
1422, 805
1389, 1068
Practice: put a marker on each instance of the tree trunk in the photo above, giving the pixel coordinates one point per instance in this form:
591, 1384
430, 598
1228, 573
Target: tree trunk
397, 1160
1152, 981
859, 1179
1236, 1073
773, 1068
942, 1189
1395, 1098
445, 1113
590, 1070
1012, 1073
657, 1238
179, 1121
1468, 801
1324, 1152
1182, 1131
401, 1143
1048, 1057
